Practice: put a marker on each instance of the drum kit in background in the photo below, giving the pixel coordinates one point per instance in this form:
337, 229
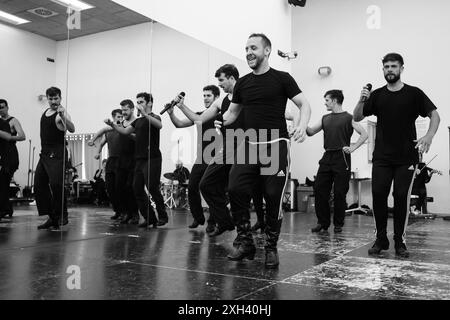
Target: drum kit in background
175, 193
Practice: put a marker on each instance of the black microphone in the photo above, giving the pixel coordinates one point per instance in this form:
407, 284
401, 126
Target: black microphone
368, 87
172, 104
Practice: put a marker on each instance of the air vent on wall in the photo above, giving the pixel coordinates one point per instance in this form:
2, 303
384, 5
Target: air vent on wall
43, 12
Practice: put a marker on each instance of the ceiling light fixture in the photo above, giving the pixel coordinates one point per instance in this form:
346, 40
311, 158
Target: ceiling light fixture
74, 4
11, 18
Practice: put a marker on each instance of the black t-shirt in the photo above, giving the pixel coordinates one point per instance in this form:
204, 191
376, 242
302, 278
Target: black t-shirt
208, 125
396, 114
4, 144
113, 140
264, 99
127, 144
141, 126
337, 130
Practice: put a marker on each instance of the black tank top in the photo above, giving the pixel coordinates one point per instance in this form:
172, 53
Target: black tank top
51, 136
13, 131
113, 140
337, 130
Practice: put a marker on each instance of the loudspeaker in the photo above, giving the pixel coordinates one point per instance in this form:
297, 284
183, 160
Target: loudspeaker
300, 3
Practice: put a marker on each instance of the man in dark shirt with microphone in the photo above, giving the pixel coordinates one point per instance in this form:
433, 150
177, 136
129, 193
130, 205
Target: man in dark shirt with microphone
397, 106
335, 165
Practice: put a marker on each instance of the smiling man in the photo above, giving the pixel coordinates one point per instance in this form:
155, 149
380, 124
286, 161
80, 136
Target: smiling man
262, 96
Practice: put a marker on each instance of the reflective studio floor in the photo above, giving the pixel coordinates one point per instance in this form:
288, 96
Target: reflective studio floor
173, 262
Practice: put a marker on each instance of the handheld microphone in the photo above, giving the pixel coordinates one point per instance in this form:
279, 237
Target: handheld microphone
172, 104
368, 87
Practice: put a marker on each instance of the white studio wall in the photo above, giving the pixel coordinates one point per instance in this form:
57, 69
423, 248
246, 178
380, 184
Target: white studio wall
225, 25
26, 74
345, 36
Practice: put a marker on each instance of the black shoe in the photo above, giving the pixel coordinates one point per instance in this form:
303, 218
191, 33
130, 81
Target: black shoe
400, 250
64, 222
378, 246
116, 216
145, 225
125, 219
243, 252
162, 222
219, 230
258, 225
272, 260
134, 220
46, 225
210, 227
319, 228
337, 229
195, 224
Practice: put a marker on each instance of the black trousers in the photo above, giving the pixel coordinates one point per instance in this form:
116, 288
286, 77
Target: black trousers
150, 178
214, 188
5, 179
272, 172
124, 186
50, 193
111, 184
194, 197
403, 177
334, 168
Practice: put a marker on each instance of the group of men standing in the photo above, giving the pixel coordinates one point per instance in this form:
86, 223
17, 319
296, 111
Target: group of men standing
253, 161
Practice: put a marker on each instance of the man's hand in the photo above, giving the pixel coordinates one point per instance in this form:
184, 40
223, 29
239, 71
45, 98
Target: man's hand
91, 143
218, 124
179, 100
423, 144
109, 122
299, 134
348, 149
97, 156
61, 111
140, 108
365, 95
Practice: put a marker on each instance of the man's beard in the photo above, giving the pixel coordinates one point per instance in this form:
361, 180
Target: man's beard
257, 63
392, 79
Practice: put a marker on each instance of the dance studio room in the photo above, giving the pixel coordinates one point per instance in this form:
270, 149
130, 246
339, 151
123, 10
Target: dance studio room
224, 150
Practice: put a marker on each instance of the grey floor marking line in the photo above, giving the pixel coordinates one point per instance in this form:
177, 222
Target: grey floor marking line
203, 272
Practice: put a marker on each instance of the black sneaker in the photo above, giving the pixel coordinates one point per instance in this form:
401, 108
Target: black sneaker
378, 246
401, 251
272, 260
210, 227
219, 230
319, 228
46, 225
337, 229
162, 222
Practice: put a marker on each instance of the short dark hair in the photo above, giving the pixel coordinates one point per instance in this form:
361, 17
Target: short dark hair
53, 92
266, 41
228, 70
116, 111
393, 57
335, 95
214, 89
147, 96
128, 103
3, 101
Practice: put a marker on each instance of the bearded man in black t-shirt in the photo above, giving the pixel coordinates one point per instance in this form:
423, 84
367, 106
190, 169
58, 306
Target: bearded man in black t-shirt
262, 96
397, 106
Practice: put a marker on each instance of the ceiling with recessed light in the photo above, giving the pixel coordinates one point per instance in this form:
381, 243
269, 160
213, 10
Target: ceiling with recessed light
50, 19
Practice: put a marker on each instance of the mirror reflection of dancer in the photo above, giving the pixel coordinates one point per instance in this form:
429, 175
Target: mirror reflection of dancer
147, 172
111, 137
396, 105
14, 135
335, 165
210, 94
263, 95
49, 176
